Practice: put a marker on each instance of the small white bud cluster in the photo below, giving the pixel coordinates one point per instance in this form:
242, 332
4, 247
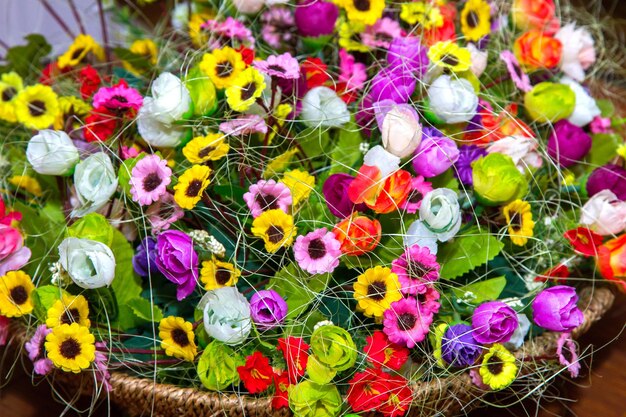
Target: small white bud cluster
208, 242
60, 276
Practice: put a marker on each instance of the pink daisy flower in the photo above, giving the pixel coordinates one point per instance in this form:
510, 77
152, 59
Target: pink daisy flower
37, 352
267, 195
228, 30
244, 125
278, 26
149, 179
429, 300
419, 188
318, 252
381, 33
405, 324
282, 66
567, 352
165, 212
118, 98
102, 370
416, 268
353, 73
519, 77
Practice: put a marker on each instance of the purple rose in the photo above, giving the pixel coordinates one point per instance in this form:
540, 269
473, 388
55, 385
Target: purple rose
144, 261
435, 154
463, 165
316, 17
267, 309
568, 144
178, 261
608, 177
494, 322
555, 309
458, 346
408, 54
394, 84
335, 192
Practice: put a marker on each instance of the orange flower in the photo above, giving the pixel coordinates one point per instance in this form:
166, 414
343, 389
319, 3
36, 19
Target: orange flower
445, 32
358, 234
536, 50
535, 14
366, 186
381, 196
612, 260
498, 126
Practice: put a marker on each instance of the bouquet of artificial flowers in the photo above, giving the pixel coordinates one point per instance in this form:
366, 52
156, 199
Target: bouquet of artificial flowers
321, 202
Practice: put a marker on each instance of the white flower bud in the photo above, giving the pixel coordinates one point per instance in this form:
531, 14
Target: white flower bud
321, 107
452, 100
90, 264
52, 152
95, 183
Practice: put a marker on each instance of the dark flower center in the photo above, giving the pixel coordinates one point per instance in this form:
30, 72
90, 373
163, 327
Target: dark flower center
267, 202
247, 91
406, 321
472, 19
450, 60
421, 298
415, 197
151, 181
275, 234
377, 290
277, 68
119, 98
516, 220
495, 365
567, 354
316, 249
8, 93
383, 37
224, 69
70, 348
179, 336
204, 152
417, 270
19, 295
37, 108
70, 316
77, 53
222, 276
362, 5
194, 188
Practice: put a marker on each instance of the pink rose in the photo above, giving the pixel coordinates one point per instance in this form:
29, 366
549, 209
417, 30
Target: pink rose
579, 52
13, 254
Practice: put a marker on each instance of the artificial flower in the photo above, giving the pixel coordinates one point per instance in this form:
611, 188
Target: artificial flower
536, 50
604, 213
479, 59
300, 183
358, 234
217, 274
71, 111
419, 234
13, 253
584, 240
586, 108
222, 66
202, 149
36, 106
534, 14
191, 185
71, 347
381, 33
16, 289
608, 177
435, 154
281, 391
155, 132
278, 25
450, 56
568, 143
217, 366
519, 77
416, 268
118, 98
89, 263
67, 310
268, 195
399, 126
364, 11
178, 261
476, 20
405, 323
89, 80
611, 260
400, 397
177, 338
380, 351
368, 390
550, 102
421, 13
37, 352
392, 83
281, 66
603, 125
321, 107
497, 180
294, 350
101, 371
83, 48
244, 125
268, 309
522, 150
332, 351
419, 188
318, 252
144, 48
463, 165
226, 315
308, 399
517, 338
555, 309
567, 353
257, 374
100, 125
336, 196
493, 322
95, 182
276, 228
519, 219
579, 51
375, 290
26, 183
459, 348
452, 100
349, 34
498, 368
245, 89
144, 260
385, 161
10, 85
316, 18
149, 179
163, 213
440, 213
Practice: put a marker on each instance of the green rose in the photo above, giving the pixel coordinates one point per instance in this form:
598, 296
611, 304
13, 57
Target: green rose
333, 350
202, 92
217, 367
308, 399
93, 226
497, 180
549, 102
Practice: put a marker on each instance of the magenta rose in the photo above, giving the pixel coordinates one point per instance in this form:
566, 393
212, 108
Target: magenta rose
267, 309
568, 143
13, 253
494, 322
335, 192
178, 261
316, 17
555, 309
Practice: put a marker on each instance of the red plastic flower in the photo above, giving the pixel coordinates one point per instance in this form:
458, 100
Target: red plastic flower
315, 72
366, 186
358, 234
368, 390
400, 397
445, 32
247, 54
382, 196
257, 374
294, 351
558, 273
381, 351
89, 80
281, 396
100, 125
612, 260
7, 218
51, 72
584, 240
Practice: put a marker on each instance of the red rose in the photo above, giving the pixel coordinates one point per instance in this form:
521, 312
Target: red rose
257, 374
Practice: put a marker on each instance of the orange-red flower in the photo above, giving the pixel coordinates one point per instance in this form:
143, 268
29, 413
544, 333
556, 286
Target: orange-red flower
281, 386
294, 351
382, 196
358, 234
612, 260
537, 50
535, 14
498, 126
257, 374
445, 32
366, 186
584, 240
380, 351
315, 72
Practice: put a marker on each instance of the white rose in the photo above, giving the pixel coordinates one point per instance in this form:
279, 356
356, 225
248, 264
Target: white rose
586, 108
452, 100
170, 99
479, 60
90, 264
387, 162
157, 133
578, 50
226, 315
95, 182
419, 234
322, 107
249, 6
604, 213
522, 150
401, 131
441, 214
517, 338
52, 152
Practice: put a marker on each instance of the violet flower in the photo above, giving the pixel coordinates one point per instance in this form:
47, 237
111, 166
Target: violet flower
144, 260
463, 165
567, 353
335, 192
519, 77
494, 322
267, 309
36, 350
409, 55
435, 154
316, 17
568, 143
555, 309
608, 177
178, 261
458, 346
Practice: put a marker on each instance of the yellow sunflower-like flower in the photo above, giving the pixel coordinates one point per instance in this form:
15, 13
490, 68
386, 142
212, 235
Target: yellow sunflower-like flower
375, 290
519, 217
280, 163
37, 106
145, 48
199, 37
476, 20
211, 147
364, 11
498, 368
10, 85
300, 183
449, 55
421, 13
191, 185
246, 88
217, 274
16, 288
72, 111
350, 36
26, 183
69, 309
71, 347
276, 228
82, 46
223, 66
177, 338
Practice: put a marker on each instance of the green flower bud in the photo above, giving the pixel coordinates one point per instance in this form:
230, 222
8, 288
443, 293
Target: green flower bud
308, 399
333, 347
217, 367
202, 92
93, 226
497, 180
550, 102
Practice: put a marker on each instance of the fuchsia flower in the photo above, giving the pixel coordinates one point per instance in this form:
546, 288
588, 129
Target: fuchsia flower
600, 124
244, 125
318, 252
278, 24
404, 323
381, 33
282, 66
102, 371
227, 30
519, 77
13, 253
429, 300
149, 179
567, 352
163, 213
37, 352
419, 188
416, 268
4, 329
267, 195
353, 73
11, 216
118, 98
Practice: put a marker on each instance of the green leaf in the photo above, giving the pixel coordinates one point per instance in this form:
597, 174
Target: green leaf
93, 226
467, 252
43, 298
603, 149
26, 59
314, 141
297, 288
126, 284
347, 151
145, 310
479, 292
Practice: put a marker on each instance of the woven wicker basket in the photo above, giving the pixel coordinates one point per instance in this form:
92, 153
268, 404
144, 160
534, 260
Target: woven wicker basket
442, 397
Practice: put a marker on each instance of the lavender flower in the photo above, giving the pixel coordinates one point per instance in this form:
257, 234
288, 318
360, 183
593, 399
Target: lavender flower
435, 154
463, 165
267, 309
36, 350
144, 261
555, 309
494, 322
458, 346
